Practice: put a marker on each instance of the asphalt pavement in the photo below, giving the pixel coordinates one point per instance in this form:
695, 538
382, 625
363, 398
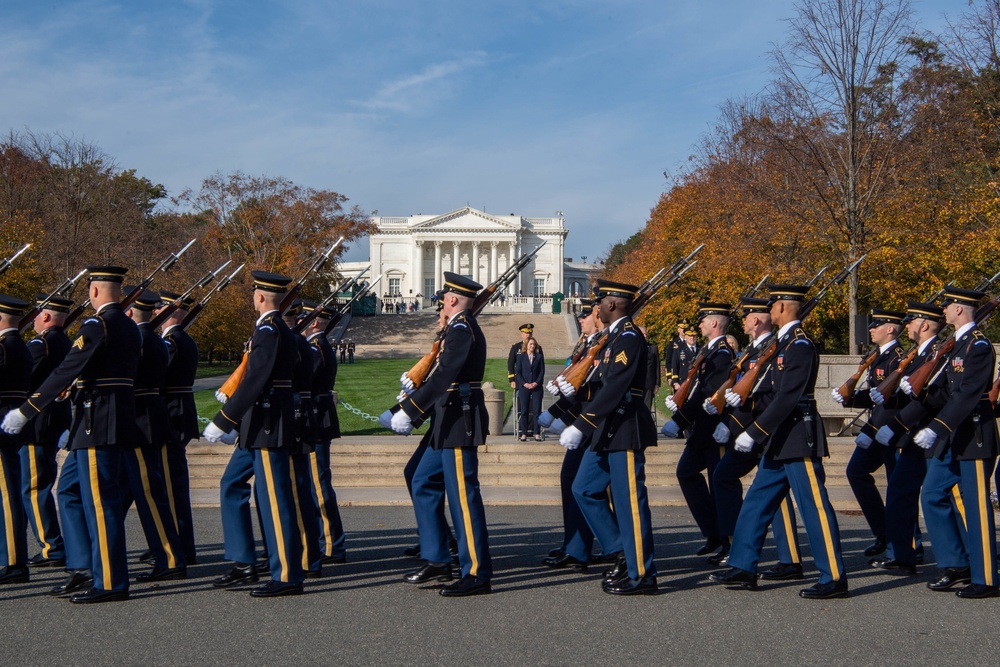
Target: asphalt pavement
362, 613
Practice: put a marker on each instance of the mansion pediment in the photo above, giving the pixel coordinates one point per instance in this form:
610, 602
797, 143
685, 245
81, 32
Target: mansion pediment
466, 220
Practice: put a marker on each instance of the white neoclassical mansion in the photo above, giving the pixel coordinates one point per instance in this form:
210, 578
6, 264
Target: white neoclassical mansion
412, 253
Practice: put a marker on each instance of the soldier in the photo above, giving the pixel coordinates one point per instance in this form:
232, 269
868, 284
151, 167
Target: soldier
619, 429
15, 378
104, 359
38, 456
652, 370
516, 349
701, 452
350, 351
687, 352
342, 346
453, 397
262, 409
672, 358
962, 439
786, 423
884, 330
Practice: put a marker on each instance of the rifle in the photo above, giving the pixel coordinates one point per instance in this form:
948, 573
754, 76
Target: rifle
5, 263
346, 308
846, 390
492, 291
749, 380
324, 305
169, 309
318, 264
62, 290
200, 306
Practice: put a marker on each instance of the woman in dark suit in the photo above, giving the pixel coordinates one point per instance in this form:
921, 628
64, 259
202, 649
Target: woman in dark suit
529, 374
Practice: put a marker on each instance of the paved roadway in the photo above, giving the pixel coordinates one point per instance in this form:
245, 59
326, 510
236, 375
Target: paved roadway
361, 613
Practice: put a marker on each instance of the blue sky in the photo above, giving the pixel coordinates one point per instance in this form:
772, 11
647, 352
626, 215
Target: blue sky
416, 106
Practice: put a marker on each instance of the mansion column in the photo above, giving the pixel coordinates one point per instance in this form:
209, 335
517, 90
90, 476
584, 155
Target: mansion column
494, 274
512, 246
418, 270
455, 258
437, 266
475, 262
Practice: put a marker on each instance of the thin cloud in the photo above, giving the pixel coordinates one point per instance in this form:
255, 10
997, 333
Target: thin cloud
399, 95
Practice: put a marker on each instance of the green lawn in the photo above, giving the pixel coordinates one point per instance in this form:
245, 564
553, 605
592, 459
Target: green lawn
204, 370
371, 386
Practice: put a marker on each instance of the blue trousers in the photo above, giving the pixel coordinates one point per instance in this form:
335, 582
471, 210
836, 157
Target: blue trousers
38, 477
99, 471
859, 473
306, 511
273, 477
728, 491
529, 406
627, 530
234, 501
142, 482
13, 538
698, 491
805, 479
970, 543
76, 538
332, 540
902, 507
452, 473
174, 464
578, 538
409, 470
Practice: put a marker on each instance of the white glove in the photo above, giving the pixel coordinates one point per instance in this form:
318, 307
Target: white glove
557, 426
836, 396
213, 433
407, 383
551, 387
64, 440
669, 402
401, 423
877, 397
220, 397
571, 437
925, 438
565, 388
863, 441
13, 422
884, 435
385, 419
721, 434
709, 407
671, 429
733, 399
545, 419
904, 384
400, 397
744, 443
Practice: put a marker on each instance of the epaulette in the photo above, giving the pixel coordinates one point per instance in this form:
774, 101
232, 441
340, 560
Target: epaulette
899, 352
976, 333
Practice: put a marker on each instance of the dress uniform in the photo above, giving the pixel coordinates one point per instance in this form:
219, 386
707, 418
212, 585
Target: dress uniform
15, 378
672, 356
791, 432
452, 396
262, 411
962, 439
619, 429
701, 452
515, 349
685, 355
103, 360
179, 397
867, 458
38, 455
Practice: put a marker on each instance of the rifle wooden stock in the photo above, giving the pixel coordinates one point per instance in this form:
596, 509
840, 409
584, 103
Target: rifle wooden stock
887, 387
718, 399
419, 372
846, 390
680, 396
233, 381
995, 391
576, 374
745, 384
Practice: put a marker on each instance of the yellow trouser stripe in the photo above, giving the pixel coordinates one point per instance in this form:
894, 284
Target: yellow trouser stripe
463, 502
102, 528
154, 511
8, 515
786, 518
633, 499
982, 498
956, 495
170, 488
298, 517
321, 503
36, 500
823, 520
279, 535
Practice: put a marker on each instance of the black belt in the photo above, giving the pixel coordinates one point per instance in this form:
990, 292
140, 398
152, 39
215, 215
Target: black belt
178, 390
107, 382
147, 392
19, 395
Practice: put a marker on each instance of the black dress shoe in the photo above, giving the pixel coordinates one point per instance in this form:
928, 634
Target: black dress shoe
14, 575
978, 592
613, 574
276, 589
338, 560
712, 544
556, 553
951, 577
95, 595
467, 585
263, 565
78, 580
452, 546
876, 547
314, 574
628, 586
893, 564
735, 577
783, 572
720, 559
162, 574
565, 560
147, 557
429, 572
191, 559
602, 559
834, 589
38, 560
412, 552
239, 575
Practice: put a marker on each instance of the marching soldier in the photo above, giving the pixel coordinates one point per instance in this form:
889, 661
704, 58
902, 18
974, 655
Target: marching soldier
38, 456
791, 432
516, 349
453, 397
619, 429
15, 378
262, 410
103, 359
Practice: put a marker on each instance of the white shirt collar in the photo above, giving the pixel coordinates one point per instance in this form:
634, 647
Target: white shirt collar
614, 325
103, 306
313, 335
263, 315
712, 342
170, 328
964, 329
2, 332
923, 346
888, 346
761, 338
788, 327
